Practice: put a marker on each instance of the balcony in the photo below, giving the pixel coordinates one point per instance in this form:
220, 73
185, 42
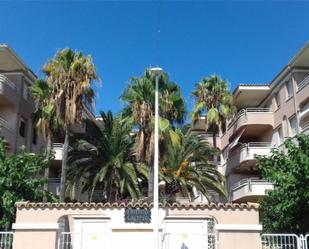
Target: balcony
251, 116
8, 91
304, 113
250, 190
54, 185
241, 157
305, 128
7, 132
208, 137
303, 83
58, 150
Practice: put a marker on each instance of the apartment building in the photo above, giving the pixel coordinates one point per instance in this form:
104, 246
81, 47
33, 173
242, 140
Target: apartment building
16, 104
16, 109
267, 115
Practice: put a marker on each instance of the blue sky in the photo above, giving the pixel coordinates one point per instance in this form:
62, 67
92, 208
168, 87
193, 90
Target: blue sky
244, 42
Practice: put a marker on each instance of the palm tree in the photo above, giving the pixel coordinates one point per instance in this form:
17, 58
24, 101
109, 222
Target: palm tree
107, 161
213, 100
70, 75
139, 98
44, 115
185, 167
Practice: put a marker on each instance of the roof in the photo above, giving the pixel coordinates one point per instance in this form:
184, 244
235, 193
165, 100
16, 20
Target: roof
299, 60
253, 85
16, 60
44, 205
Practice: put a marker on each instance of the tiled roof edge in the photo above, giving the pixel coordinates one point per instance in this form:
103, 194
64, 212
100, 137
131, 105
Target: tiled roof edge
44, 205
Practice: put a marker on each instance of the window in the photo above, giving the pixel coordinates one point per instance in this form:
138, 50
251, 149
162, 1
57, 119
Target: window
293, 126
289, 88
277, 99
22, 127
34, 136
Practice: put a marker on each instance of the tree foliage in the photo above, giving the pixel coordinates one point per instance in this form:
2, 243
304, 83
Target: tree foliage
69, 76
19, 181
213, 99
139, 98
185, 166
106, 161
287, 209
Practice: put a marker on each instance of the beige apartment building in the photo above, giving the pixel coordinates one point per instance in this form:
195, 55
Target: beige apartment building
16, 104
267, 115
16, 109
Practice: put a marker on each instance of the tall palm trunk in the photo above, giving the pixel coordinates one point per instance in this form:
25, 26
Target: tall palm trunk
49, 149
150, 181
214, 142
64, 164
150, 161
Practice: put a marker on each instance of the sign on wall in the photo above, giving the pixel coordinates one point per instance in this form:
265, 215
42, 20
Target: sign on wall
137, 215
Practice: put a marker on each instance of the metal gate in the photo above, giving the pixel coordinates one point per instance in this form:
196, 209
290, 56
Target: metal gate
187, 240
284, 241
6, 240
71, 240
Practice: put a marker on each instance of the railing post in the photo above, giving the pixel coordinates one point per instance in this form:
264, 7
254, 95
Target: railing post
249, 185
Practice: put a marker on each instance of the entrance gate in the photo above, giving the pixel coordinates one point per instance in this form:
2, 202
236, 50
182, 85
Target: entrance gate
189, 241
6, 240
284, 241
69, 240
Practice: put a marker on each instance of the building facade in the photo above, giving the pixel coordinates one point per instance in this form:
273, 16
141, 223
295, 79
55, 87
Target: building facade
16, 104
16, 109
267, 115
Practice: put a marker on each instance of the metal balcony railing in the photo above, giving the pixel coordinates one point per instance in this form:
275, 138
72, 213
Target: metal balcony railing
305, 127
244, 112
303, 83
250, 145
57, 146
5, 124
249, 182
54, 185
6, 81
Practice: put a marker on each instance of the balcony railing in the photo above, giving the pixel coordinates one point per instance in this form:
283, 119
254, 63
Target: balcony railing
252, 145
305, 128
6, 81
250, 187
250, 182
245, 152
58, 149
4, 124
244, 112
54, 185
303, 83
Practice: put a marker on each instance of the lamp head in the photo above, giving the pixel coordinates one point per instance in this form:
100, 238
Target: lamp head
156, 70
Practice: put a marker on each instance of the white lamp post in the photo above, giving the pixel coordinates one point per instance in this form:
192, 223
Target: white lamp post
156, 243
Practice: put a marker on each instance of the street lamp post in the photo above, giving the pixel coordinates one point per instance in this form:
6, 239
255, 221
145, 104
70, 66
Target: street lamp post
156, 242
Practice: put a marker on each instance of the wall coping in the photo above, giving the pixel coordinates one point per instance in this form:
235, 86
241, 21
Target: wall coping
66, 205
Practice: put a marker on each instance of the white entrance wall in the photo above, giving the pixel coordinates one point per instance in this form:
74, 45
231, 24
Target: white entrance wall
91, 233
185, 234
132, 239
237, 226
